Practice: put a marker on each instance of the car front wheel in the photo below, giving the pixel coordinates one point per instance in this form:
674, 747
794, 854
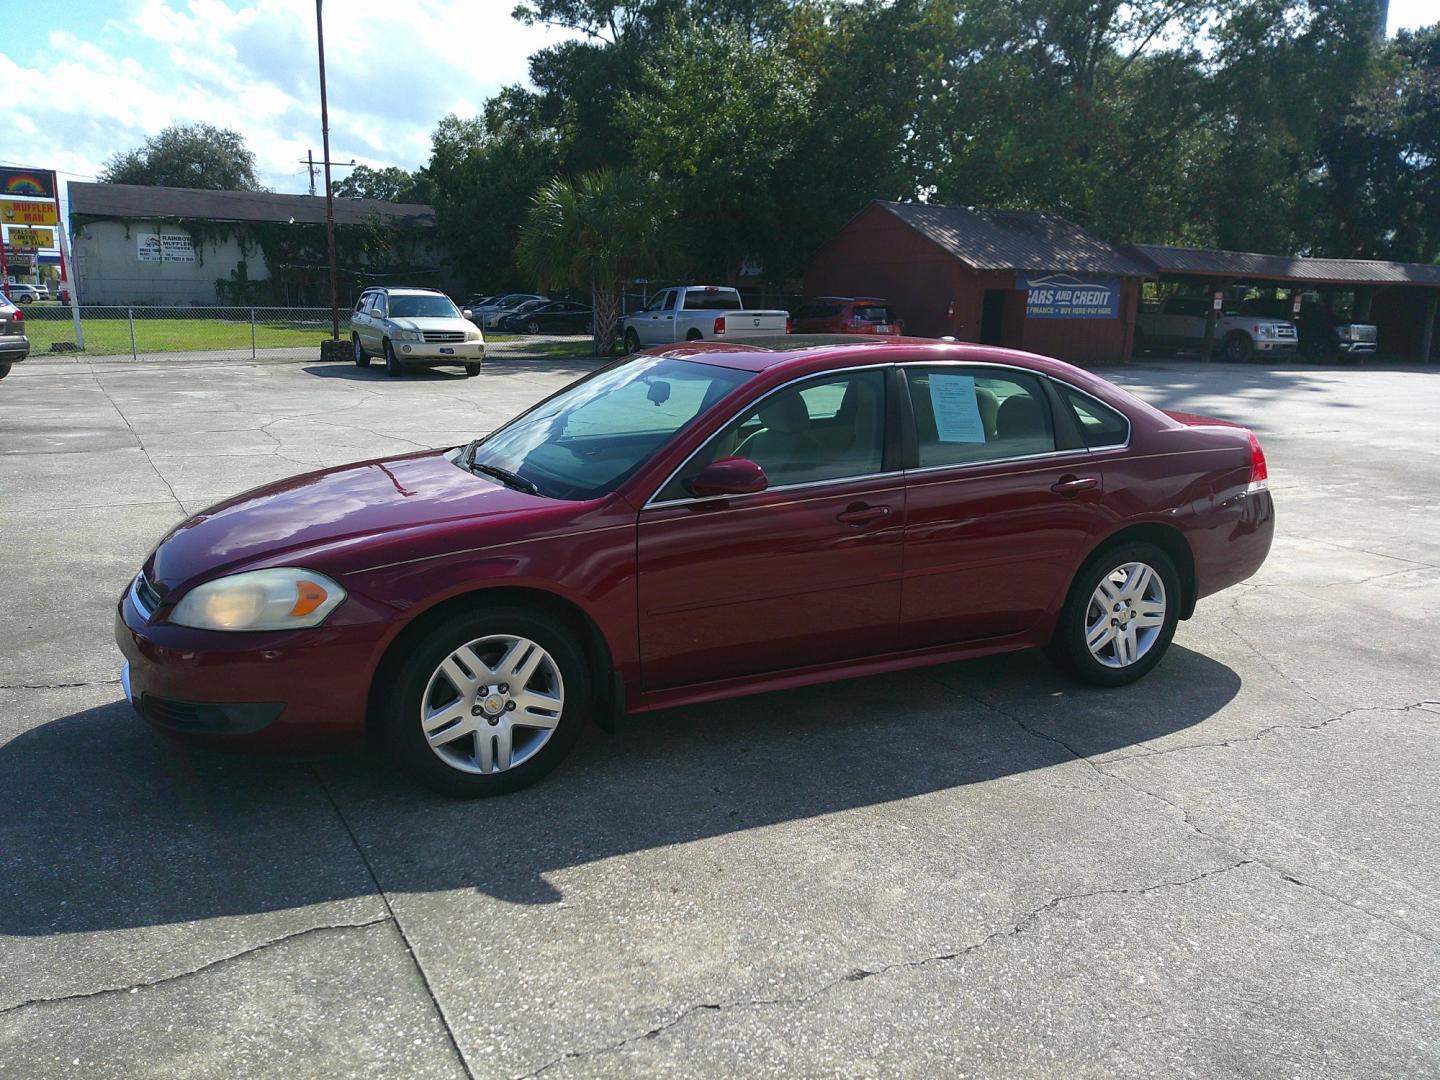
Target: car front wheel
1120, 615
632, 341
487, 703
1238, 348
4, 370
532, 327
392, 362
471, 370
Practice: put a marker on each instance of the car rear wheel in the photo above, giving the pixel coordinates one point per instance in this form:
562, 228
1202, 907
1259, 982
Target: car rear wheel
4, 370
392, 362
471, 370
694, 335
632, 341
362, 358
1238, 347
1120, 615
487, 702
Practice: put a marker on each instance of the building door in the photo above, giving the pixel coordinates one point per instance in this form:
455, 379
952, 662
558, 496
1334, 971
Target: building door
992, 317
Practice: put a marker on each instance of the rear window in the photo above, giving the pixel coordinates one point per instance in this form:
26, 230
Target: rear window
719, 300
875, 313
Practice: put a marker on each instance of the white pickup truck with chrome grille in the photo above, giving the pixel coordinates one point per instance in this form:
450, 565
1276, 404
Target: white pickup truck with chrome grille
699, 313
1178, 322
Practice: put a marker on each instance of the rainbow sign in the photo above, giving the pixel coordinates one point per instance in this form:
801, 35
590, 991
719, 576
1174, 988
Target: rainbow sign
27, 183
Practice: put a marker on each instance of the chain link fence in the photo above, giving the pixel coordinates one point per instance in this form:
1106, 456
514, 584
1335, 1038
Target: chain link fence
142, 331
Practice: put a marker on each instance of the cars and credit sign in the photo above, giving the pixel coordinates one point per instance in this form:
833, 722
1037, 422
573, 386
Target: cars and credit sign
1065, 296
15, 212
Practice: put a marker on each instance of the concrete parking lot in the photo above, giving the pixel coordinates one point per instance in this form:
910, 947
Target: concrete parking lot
1226, 870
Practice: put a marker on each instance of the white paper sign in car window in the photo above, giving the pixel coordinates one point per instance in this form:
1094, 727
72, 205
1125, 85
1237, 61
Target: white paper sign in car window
957, 412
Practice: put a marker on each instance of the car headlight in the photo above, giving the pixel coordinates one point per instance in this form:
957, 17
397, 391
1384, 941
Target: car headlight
473, 334
286, 598
1344, 332
409, 335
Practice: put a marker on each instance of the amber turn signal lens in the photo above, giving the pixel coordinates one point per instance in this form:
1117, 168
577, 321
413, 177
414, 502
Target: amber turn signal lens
308, 597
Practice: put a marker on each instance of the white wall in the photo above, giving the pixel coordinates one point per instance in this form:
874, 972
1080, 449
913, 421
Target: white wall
110, 270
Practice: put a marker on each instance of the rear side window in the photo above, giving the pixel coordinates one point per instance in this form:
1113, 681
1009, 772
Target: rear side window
965, 415
1100, 424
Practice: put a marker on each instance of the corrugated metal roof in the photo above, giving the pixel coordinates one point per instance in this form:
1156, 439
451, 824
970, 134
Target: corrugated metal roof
1248, 264
1015, 240
135, 202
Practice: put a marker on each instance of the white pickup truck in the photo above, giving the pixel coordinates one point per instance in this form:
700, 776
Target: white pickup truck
698, 313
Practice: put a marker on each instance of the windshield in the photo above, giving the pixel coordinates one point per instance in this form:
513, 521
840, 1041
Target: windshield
585, 440
422, 307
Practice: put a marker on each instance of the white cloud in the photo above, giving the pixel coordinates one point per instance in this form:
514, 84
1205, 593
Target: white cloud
393, 70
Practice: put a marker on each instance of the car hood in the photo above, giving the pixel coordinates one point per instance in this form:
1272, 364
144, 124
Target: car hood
433, 324
338, 510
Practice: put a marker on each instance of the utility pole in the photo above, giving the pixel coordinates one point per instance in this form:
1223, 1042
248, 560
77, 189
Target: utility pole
329, 196
310, 163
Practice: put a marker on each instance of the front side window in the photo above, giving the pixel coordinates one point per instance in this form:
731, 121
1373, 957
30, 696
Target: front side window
965, 415
584, 441
829, 428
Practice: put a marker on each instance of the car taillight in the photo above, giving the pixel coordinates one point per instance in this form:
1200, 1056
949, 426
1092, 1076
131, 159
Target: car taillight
19, 315
1259, 472
719, 327
789, 325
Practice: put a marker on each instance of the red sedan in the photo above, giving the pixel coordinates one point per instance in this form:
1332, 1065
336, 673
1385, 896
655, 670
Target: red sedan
691, 524
848, 315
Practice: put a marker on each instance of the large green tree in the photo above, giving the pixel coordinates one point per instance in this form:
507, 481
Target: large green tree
595, 234
193, 156
391, 184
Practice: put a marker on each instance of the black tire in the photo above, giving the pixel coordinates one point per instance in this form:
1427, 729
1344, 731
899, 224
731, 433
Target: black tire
401, 700
532, 327
1068, 647
471, 370
632, 341
694, 335
1238, 347
1314, 351
393, 367
362, 358
1141, 346
4, 370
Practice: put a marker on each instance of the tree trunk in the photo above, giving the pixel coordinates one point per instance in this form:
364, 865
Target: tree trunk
607, 313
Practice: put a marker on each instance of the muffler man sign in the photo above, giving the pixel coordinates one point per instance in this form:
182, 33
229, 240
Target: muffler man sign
1064, 296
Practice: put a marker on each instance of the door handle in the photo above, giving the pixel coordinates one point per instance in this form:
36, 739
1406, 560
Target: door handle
1073, 485
858, 514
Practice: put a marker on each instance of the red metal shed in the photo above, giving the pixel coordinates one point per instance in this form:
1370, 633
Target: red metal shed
1000, 277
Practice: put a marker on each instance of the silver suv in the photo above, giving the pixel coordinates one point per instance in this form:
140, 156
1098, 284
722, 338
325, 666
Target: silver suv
411, 327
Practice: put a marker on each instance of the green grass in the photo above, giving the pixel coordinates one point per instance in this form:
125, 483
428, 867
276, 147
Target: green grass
105, 336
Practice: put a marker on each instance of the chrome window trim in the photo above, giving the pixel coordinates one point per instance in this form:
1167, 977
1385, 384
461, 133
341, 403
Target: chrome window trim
754, 402
144, 612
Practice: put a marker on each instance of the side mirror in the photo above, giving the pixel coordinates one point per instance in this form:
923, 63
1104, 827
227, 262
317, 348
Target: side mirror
466, 313
730, 476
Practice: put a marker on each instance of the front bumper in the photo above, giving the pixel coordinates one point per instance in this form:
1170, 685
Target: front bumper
1272, 345
1355, 346
281, 690
444, 352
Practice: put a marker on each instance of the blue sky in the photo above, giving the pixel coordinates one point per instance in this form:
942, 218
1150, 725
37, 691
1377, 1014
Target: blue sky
88, 78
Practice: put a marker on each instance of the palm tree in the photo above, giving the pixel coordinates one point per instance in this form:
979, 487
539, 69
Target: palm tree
597, 232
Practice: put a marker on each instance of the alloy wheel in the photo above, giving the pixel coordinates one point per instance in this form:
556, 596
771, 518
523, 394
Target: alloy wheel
1126, 614
492, 704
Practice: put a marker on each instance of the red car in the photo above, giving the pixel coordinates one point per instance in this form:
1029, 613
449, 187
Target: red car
688, 524
848, 315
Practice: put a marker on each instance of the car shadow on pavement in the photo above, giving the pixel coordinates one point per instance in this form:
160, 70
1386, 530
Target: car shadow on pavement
105, 824
376, 373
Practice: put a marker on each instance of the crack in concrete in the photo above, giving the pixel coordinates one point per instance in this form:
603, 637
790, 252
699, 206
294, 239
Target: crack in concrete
209, 965
1189, 821
1020, 926
1228, 625
139, 442
399, 927
1414, 706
